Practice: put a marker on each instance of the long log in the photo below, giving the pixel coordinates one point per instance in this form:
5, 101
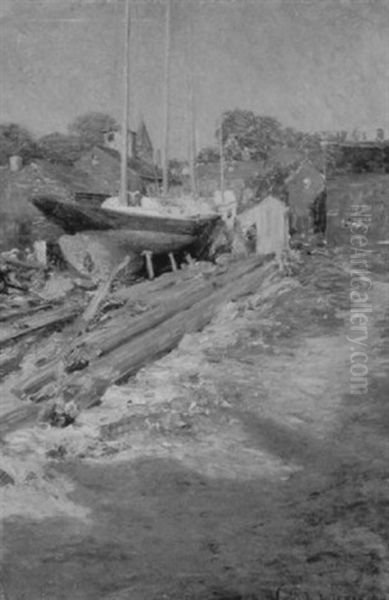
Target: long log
24, 327
33, 383
16, 312
121, 330
147, 288
22, 415
123, 362
109, 336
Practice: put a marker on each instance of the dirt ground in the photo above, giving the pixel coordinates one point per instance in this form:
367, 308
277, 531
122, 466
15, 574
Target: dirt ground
239, 466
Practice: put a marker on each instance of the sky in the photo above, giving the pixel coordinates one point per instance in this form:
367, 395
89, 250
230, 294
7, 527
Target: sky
314, 64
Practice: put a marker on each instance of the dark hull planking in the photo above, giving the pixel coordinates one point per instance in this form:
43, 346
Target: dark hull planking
141, 231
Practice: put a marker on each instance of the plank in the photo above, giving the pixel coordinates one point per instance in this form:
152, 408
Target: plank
25, 326
17, 312
23, 415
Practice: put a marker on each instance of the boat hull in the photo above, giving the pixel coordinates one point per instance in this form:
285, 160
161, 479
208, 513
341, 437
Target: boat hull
156, 233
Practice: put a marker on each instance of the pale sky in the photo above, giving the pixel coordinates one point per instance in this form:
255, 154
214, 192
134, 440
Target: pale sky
313, 64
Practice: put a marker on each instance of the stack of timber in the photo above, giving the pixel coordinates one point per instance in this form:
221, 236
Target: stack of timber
112, 351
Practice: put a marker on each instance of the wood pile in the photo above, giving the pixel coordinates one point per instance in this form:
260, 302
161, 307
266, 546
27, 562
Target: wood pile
150, 319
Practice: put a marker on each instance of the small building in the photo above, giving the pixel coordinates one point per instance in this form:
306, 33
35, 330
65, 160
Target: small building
267, 225
103, 165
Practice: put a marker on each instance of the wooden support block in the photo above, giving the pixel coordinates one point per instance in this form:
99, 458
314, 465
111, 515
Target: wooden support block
173, 262
149, 263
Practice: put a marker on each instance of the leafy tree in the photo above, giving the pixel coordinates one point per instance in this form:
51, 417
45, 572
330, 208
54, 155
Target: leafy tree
246, 134
176, 165
60, 148
91, 127
15, 139
210, 154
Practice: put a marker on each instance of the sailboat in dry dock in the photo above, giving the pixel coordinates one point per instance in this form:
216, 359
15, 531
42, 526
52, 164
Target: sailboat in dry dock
139, 229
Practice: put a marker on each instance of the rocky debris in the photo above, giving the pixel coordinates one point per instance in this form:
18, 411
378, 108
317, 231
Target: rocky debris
59, 413
108, 334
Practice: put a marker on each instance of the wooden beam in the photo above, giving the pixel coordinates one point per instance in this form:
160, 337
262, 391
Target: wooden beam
23, 415
32, 324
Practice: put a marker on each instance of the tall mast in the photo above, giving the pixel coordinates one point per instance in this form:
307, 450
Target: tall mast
165, 159
126, 106
191, 111
221, 158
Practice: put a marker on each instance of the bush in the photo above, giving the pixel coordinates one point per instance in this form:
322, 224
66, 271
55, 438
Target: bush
92, 127
16, 140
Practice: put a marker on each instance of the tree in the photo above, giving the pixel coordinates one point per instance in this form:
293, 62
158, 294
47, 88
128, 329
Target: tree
210, 154
92, 127
245, 133
15, 139
60, 148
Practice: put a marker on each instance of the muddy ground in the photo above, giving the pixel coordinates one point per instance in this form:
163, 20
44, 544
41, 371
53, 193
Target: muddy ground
239, 466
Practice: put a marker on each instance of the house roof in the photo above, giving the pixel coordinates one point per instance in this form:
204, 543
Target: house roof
146, 171
70, 177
